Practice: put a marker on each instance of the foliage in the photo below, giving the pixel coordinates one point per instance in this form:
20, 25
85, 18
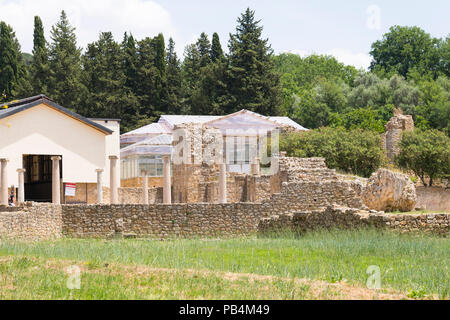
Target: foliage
139, 80
40, 69
426, 153
253, 82
353, 151
65, 65
409, 49
14, 76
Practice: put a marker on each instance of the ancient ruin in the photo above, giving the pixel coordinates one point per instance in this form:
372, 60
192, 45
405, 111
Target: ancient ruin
394, 130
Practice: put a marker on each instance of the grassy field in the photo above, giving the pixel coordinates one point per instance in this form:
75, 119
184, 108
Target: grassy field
319, 265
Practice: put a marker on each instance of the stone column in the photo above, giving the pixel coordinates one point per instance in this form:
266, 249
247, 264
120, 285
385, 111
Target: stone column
4, 182
167, 190
223, 183
21, 192
56, 180
99, 186
113, 192
145, 186
256, 169
274, 164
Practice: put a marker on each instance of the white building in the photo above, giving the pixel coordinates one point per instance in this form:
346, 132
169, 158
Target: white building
33, 130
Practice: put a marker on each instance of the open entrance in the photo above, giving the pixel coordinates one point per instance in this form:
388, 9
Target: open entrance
38, 177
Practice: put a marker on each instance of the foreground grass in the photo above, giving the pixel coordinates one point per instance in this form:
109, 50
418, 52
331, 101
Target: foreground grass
38, 278
417, 266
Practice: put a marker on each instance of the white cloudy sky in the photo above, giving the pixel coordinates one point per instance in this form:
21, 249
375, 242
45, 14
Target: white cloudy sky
344, 29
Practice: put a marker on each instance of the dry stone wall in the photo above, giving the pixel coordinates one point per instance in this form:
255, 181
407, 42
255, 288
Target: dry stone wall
31, 221
162, 221
344, 218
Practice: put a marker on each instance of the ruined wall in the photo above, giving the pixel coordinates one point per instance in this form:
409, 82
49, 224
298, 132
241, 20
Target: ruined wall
161, 221
345, 218
435, 199
153, 182
31, 221
394, 130
136, 195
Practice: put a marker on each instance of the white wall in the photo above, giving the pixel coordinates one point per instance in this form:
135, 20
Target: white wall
112, 147
42, 130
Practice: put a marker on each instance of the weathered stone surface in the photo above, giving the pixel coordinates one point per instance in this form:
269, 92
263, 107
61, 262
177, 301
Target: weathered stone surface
389, 191
394, 129
336, 217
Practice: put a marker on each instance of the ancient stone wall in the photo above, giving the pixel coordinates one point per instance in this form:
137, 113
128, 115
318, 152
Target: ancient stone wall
136, 195
161, 221
31, 221
344, 218
153, 182
394, 130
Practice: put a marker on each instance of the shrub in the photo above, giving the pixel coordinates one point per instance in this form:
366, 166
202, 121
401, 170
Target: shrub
354, 151
426, 153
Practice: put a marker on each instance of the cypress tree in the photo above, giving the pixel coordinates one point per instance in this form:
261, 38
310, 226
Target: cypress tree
129, 61
39, 66
160, 79
216, 48
253, 81
65, 85
14, 81
204, 49
8, 61
174, 80
146, 74
105, 79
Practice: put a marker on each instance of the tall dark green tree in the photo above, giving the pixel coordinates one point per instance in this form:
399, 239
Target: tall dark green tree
174, 81
14, 77
204, 49
216, 48
39, 67
253, 83
160, 79
147, 73
191, 78
129, 61
65, 85
104, 77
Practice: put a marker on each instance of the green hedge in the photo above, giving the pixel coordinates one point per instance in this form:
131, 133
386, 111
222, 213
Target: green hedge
353, 151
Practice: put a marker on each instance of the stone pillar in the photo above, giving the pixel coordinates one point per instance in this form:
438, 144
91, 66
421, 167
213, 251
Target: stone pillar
21, 192
167, 190
145, 186
4, 182
274, 164
99, 186
113, 192
256, 169
223, 183
56, 180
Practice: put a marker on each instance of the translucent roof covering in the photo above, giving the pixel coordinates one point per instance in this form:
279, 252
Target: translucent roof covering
247, 120
243, 122
286, 121
159, 145
172, 121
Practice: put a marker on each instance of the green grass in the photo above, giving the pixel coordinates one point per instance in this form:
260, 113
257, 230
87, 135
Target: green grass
411, 264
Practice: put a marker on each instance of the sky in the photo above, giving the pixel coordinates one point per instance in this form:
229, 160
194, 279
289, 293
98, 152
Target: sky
345, 29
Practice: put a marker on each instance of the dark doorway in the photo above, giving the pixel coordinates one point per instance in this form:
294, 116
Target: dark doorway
38, 177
